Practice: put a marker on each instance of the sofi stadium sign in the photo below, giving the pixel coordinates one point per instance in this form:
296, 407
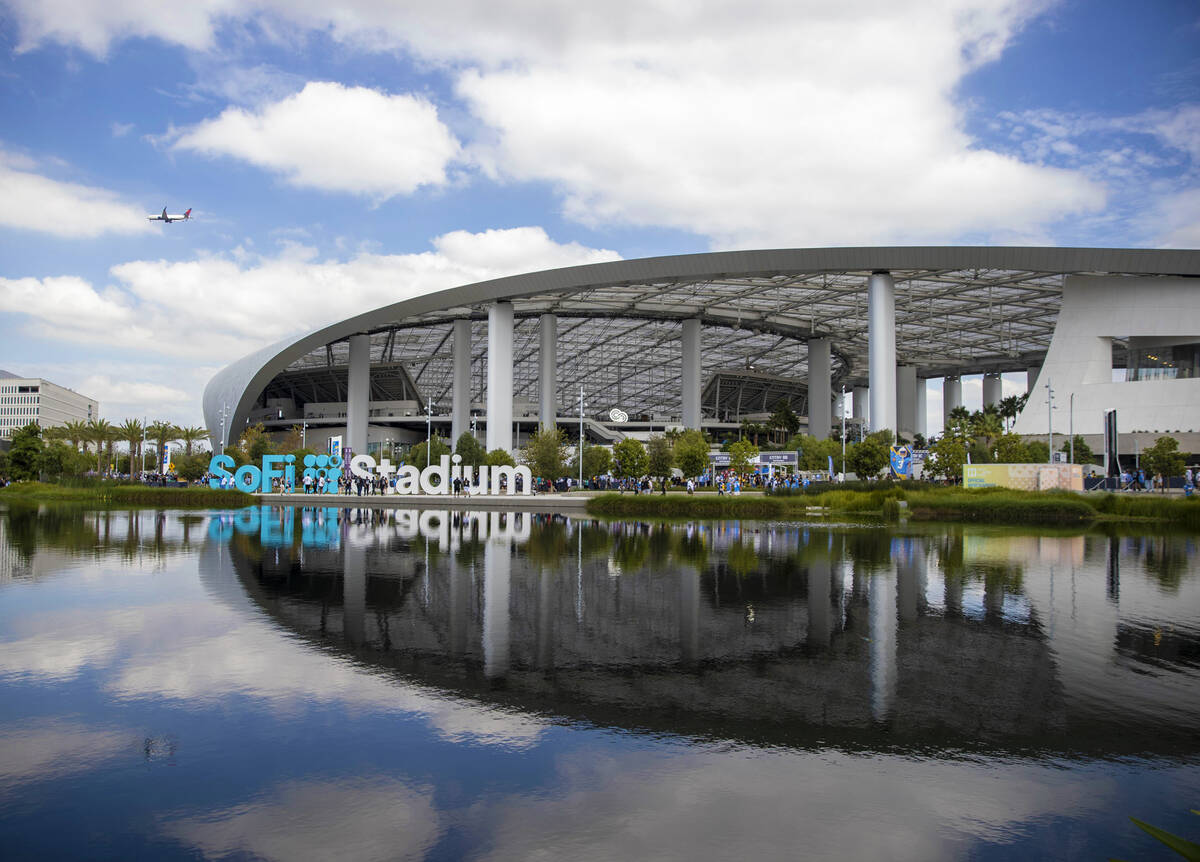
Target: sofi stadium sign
405, 479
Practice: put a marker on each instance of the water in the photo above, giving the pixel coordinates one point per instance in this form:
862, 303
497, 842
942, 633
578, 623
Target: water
357, 684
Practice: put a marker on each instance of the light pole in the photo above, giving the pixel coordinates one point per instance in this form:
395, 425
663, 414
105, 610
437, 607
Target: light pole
843, 412
304, 434
581, 438
1050, 420
428, 432
1071, 426
224, 437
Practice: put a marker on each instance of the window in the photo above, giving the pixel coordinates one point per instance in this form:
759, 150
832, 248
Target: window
1175, 362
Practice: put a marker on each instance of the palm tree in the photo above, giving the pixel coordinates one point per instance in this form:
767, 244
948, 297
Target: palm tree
161, 432
76, 431
131, 431
100, 432
1010, 407
191, 436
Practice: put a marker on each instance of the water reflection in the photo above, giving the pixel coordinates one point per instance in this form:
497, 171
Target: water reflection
793, 634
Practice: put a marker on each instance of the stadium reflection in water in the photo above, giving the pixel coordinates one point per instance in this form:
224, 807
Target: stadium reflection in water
367, 683
798, 635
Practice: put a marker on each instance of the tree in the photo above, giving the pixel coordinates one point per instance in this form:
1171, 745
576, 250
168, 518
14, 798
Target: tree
190, 436
59, 459
1164, 458
958, 424
25, 455
597, 461
1011, 449
437, 448
255, 442
546, 453
630, 458
191, 467
1010, 408
740, 455
471, 451
1037, 452
784, 419
659, 457
1083, 452
77, 432
946, 458
869, 456
985, 426
752, 429
500, 458
131, 431
100, 432
293, 440
814, 453
161, 433
691, 453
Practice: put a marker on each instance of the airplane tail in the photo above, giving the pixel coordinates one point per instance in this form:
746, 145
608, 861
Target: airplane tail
188, 213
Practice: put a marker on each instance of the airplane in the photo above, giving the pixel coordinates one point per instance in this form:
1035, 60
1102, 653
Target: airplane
170, 218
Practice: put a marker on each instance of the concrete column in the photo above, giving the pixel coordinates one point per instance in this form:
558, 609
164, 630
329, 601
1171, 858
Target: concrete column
819, 395
497, 573
993, 389
858, 402
881, 346
500, 377
689, 615
1031, 376
690, 354
460, 393
922, 407
358, 394
906, 399
883, 643
548, 375
951, 396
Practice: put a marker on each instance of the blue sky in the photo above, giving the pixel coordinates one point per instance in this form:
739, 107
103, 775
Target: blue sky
341, 156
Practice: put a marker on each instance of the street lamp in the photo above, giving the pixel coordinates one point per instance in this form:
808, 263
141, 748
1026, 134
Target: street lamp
581, 437
843, 412
303, 434
1050, 420
428, 432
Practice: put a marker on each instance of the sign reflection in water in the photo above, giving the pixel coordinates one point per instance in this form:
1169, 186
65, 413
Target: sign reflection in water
954, 636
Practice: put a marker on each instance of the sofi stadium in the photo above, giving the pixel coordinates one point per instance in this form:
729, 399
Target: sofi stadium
709, 340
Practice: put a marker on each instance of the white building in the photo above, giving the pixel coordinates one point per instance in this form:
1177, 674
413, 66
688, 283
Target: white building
32, 399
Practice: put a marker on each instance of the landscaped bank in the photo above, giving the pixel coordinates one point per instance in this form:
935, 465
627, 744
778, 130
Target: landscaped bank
110, 494
996, 506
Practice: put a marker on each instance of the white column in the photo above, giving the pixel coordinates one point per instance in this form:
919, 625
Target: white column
497, 572
358, 393
881, 346
354, 592
859, 401
460, 393
993, 389
883, 643
819, 395
1031, 376
906, 399
690, 347
922, 407
951, 396
500, 377
548, 378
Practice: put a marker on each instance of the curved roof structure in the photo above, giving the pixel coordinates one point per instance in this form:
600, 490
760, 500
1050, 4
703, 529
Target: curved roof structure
958, 310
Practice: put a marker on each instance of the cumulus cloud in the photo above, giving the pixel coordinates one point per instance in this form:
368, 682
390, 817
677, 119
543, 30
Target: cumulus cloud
31, 201
335, 138
781, 123
210, 310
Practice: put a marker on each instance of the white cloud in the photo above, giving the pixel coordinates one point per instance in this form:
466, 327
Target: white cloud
30, 201
374, 818
208, 311
779, 123
335, 138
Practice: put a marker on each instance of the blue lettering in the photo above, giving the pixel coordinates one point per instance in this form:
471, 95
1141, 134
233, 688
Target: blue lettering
217, 466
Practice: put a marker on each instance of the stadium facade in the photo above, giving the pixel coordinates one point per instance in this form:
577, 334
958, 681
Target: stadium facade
709, 340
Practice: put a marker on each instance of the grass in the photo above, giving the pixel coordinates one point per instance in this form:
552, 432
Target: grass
926, 503
125, 495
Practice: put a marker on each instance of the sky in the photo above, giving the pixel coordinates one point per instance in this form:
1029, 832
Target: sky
339, 156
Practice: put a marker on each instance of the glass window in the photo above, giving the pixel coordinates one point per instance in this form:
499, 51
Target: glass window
1176, 362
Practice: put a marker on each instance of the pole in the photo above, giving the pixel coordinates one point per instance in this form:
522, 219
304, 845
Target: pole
304, 435
581, 438
1071, 426
428, 432
1050, 420
843, 412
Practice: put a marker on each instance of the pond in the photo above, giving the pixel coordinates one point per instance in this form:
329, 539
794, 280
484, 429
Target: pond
308, 683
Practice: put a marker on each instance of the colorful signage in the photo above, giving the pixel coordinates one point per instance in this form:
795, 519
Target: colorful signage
406, 479
901, 462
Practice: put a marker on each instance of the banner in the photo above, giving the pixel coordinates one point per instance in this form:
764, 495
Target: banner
901, 462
